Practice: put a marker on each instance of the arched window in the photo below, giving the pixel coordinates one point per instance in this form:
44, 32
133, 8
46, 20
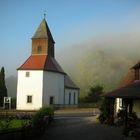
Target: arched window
39, 49
69, 98
74, 98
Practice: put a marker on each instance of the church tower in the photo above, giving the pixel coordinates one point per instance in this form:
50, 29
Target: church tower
41, 80
42, 41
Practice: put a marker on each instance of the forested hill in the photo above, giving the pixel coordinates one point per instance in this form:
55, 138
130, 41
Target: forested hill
103, 62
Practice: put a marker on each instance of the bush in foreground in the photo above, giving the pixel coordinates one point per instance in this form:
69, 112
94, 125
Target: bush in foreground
104, 108
42, 114
39, 123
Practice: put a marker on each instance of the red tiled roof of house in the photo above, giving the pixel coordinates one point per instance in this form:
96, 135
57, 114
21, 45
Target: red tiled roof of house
129, 91
129, 78
41, 62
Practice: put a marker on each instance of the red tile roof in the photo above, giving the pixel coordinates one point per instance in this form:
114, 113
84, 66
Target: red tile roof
41, 62
128, 79
129, 91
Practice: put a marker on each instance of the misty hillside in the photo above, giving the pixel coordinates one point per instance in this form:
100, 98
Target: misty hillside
105, 61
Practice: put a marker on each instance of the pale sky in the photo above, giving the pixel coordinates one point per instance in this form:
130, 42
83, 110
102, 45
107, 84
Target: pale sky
71, 22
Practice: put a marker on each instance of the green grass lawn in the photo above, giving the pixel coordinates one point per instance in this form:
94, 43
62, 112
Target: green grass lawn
14, 123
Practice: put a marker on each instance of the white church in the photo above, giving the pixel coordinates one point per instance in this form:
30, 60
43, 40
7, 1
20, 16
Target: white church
41, 80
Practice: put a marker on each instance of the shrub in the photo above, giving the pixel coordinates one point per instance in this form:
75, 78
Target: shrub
133, 116
101, 118
94, 94
121, 114
104, 108
38, 124
11, 123
39, 116
4, 124
120, 117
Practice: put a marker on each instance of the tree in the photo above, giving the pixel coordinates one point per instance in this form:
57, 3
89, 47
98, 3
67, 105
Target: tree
3, 89
94, 94
105, 111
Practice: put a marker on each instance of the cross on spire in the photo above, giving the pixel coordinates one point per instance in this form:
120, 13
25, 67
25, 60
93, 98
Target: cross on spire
44, 14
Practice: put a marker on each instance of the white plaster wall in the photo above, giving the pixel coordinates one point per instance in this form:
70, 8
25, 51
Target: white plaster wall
33, 86
136, 107
117, 105
53, 86
72, 91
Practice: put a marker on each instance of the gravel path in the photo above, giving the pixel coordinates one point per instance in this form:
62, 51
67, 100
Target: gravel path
81, 128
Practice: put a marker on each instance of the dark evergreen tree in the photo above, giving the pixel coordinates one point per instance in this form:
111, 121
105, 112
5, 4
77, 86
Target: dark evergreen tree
94, 94
3, 89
